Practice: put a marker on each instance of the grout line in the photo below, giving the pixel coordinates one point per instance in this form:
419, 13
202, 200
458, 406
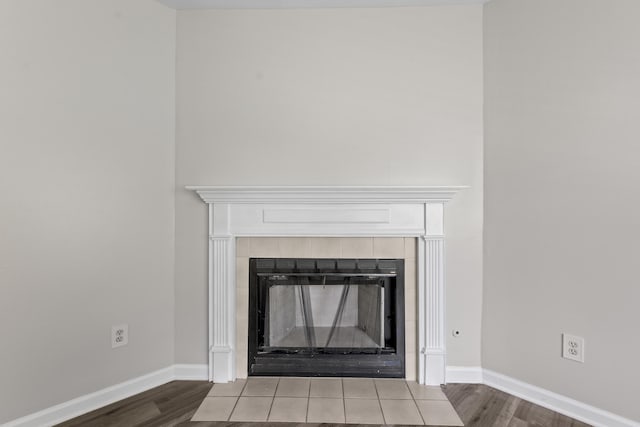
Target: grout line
413, 396
416, 405
306, 413
273, 398
270, 408
275, 393
237, 398
375, 387
344, 404
306, 416
234, 408
246, 381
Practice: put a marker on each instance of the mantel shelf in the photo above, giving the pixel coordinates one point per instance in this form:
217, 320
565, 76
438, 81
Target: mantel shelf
325, 194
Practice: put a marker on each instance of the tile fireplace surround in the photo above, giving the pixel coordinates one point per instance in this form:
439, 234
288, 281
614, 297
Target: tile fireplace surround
312, 214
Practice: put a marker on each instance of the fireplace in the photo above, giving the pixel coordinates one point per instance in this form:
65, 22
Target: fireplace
326, 317
317, 213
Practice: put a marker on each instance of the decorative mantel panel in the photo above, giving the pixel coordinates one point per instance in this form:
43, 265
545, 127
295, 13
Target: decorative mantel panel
333, 212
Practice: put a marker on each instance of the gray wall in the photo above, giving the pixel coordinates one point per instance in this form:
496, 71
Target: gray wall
362, 97
86, 196
562, 198
330, 97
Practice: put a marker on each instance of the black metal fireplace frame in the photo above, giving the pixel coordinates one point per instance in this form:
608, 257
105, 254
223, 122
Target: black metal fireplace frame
380, 363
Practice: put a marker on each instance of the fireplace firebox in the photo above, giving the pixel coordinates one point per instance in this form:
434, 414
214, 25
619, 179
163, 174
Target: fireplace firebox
326, 317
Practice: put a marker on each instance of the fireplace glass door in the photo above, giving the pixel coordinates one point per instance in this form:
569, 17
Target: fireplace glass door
324, 312
326, 317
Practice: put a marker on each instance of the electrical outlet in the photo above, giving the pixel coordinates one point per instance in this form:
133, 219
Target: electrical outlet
119, 335
573, 347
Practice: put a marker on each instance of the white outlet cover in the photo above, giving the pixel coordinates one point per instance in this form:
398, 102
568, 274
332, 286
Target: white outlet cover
573, 347
119, 335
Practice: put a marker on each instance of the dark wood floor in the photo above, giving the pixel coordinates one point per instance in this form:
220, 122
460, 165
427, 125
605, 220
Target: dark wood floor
174, 404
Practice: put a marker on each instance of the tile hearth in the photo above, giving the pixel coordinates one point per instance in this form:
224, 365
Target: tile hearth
328, 400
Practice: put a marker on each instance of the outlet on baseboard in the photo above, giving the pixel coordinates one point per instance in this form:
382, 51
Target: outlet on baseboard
573, 347
119, 335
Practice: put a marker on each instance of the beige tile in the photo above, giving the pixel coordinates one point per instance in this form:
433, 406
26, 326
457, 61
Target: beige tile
388, 247
359, 388
325, 410
293, 387
215, 409
242, 282
410, 331
410, 290
363, 411
251, 409
410, 365
325, 247
326, 387
393, 389
264, 247
410, 337
439, 412
242, 246
357, 247
242, 310
294, 247
241, 362
242, 325
242, 299
289, 409
242, 274
260, 386
228, 389
400, 412
242, 315
242, 331
425, 392
410, 247
411, 311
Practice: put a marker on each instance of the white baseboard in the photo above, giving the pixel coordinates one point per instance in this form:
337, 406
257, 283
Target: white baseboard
464, 374
191, 372
556, 402
82, 405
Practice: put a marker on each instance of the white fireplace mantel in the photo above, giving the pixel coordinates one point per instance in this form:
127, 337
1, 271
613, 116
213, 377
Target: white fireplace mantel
335, 212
